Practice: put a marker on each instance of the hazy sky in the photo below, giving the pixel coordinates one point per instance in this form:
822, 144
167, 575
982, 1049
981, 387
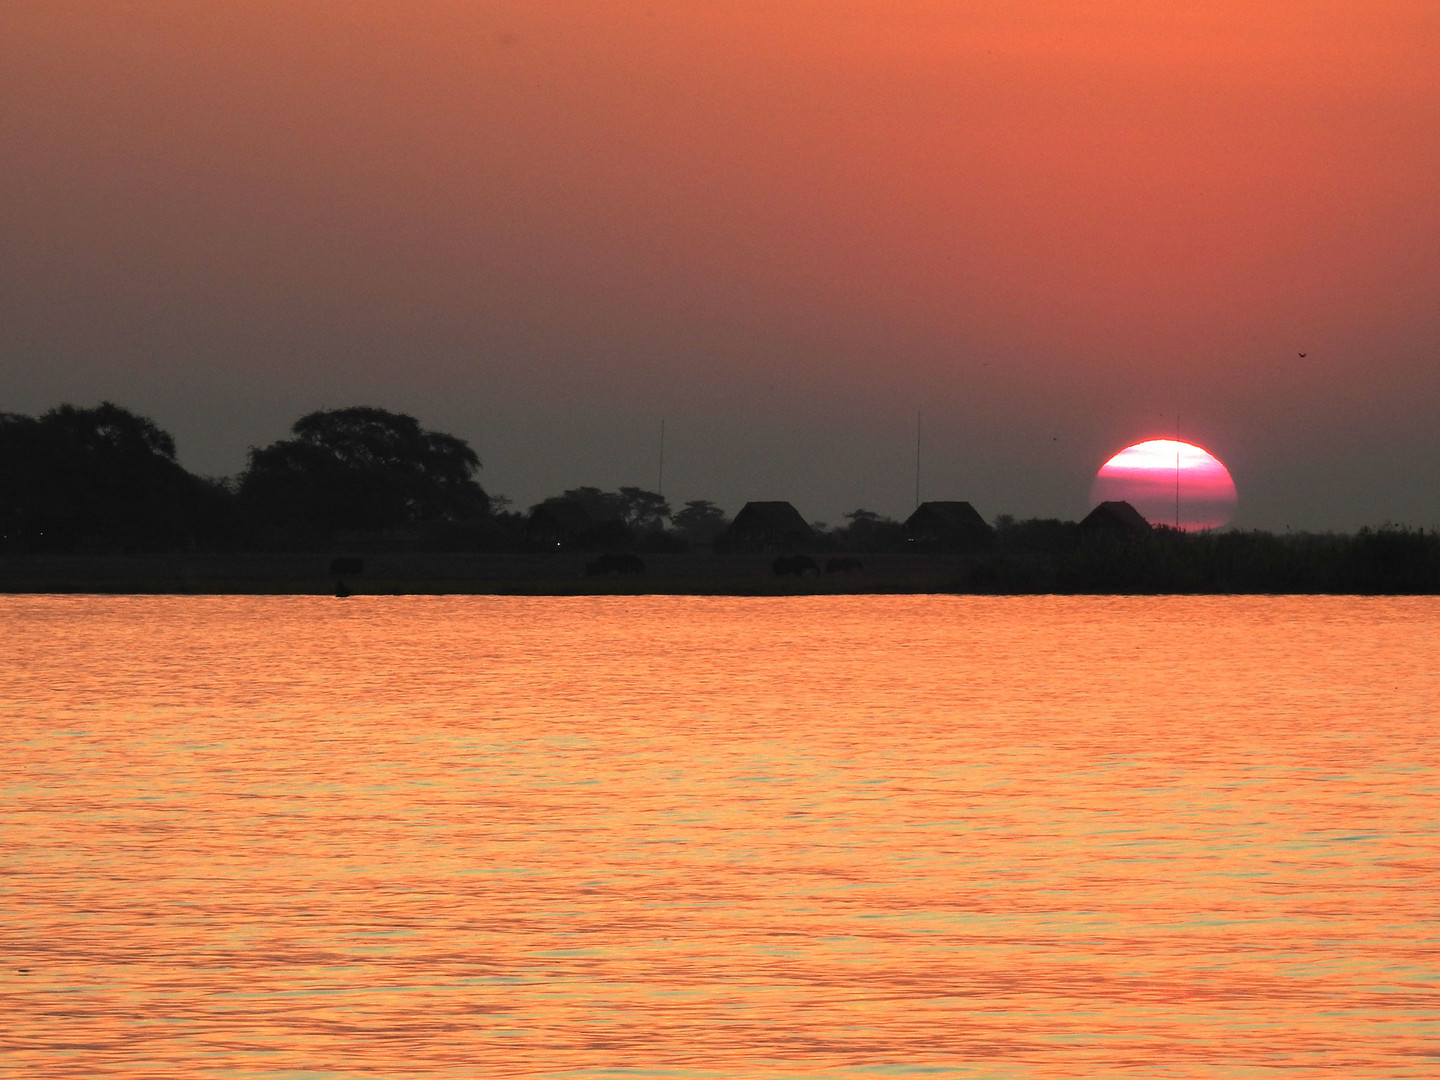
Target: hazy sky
782, 226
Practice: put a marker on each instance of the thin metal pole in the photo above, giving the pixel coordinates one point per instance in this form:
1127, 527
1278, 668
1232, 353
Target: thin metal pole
917, 457
1177, 472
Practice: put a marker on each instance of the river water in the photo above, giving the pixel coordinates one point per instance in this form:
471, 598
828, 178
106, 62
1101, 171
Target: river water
302, 837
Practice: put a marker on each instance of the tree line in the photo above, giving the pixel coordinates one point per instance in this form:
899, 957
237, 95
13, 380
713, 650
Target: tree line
105, 479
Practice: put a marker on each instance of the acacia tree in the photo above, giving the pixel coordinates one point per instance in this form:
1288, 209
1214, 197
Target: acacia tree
633, 507
645, 511
100, 476
700, 521
361, 468
869, 531
602, 506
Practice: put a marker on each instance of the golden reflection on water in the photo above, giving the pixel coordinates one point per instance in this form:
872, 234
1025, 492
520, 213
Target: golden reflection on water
698, 837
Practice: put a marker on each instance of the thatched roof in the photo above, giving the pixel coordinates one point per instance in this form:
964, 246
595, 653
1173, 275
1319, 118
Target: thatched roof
779, 516
946, 518
766, 525
1116, 516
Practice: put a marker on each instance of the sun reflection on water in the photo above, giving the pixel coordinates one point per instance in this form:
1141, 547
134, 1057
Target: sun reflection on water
847, 836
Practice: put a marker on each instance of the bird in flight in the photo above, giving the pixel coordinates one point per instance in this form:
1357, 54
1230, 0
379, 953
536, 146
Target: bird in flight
1302, 356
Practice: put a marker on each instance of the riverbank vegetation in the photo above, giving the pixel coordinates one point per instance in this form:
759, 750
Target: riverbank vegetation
94, 497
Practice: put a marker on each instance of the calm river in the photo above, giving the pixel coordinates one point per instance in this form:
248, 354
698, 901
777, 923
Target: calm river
843, 837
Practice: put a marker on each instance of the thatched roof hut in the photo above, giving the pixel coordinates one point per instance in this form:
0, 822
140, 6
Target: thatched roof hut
1115, 518
766, 526
948, 525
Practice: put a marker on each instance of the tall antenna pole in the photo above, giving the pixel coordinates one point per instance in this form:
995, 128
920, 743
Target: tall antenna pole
917, 457
660, 479
1177, 472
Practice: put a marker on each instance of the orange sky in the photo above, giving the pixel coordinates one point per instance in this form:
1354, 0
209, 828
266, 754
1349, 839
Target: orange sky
784, 226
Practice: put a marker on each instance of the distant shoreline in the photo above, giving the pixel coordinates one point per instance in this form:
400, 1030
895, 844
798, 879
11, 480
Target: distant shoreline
564, 574
425, 573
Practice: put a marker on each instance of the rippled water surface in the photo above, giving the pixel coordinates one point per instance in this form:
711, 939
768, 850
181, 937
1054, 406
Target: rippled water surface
694, 837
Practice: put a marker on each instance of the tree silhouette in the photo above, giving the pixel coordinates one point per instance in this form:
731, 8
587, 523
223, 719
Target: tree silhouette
361, 469
100, 477
700, 521
869, 531
602, 506
633, 507
645, 511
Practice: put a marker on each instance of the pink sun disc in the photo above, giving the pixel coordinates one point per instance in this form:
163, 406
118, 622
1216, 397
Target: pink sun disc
1169, 482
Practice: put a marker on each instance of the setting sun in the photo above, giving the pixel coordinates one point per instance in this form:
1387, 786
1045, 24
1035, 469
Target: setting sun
1170, 483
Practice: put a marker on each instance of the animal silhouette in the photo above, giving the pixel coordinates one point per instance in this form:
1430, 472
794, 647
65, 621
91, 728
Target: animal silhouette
799, 565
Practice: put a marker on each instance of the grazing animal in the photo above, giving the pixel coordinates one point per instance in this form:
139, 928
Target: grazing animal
798, 565
346, 565
620, 563
843, 565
